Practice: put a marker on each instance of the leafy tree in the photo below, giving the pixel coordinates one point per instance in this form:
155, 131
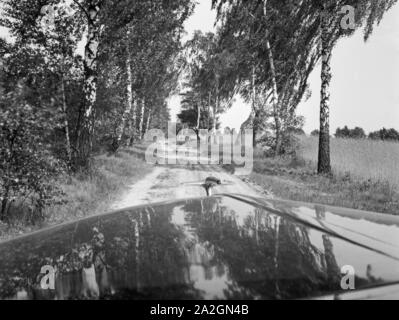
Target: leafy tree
294, 36
145, 53
207, 74
368, 13
194, 115
56, 105
385, 135
356, 133
144, 62
26, 166
270, 29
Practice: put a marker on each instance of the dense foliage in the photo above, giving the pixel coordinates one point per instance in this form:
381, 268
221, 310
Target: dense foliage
79, 77
345, 132
385, 134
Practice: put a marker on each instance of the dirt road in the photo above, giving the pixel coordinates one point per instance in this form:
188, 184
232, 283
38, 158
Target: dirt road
171, 183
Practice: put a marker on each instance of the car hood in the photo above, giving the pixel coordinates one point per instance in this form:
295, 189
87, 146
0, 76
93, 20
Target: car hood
222, 247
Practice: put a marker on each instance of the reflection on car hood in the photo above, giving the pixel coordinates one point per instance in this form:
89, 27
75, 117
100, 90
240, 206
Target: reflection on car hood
223, 247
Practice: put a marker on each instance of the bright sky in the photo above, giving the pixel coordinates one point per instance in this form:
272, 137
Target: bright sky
364, 88
365, 78
3, 33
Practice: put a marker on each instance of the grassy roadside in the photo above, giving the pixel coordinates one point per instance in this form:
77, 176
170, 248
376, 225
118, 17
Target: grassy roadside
88, 194
296, 179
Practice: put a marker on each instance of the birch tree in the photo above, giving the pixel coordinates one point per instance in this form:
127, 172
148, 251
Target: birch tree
333, 26
90, 11
275, 95
259, 29
129, 93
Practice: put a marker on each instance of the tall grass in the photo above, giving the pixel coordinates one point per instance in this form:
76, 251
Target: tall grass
363, 159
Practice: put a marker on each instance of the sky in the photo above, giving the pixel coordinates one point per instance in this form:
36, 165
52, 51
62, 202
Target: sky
365, 85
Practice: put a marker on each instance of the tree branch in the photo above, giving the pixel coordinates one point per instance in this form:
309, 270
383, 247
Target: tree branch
82, 8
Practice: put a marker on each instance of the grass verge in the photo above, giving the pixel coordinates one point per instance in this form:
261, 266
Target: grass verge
89, 193
296, 179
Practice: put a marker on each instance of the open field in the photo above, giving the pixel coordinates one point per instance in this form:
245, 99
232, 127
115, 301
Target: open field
362, 159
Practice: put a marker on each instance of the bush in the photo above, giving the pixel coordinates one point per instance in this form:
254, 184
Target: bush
315, 133
291, 128
27, 166
289, 144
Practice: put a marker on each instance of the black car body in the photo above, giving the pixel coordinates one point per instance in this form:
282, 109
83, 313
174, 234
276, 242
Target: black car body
222, 247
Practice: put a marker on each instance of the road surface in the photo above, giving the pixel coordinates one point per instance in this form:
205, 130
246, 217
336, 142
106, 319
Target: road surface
174, 182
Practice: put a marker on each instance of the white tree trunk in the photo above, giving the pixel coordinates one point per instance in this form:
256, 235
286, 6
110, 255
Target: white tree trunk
86, 127
275, 99
129, 105
275, 96
90, 56
216, 109
141, 126
209, 109
253, 87
147, 127
324, 161
254, 113
133, 121
198, 116
66, 124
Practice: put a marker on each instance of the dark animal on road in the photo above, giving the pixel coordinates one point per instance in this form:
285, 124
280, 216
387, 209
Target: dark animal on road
210, 183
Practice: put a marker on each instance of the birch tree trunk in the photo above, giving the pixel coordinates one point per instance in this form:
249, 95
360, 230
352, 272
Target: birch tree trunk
253, 87
86, 127
254, 112
275, 96
147, 127
216, 109
141, 126
129, 106
324, 161
133, 122
198, 127
275, 99
198, 115
209, 109
90, 57
66, 124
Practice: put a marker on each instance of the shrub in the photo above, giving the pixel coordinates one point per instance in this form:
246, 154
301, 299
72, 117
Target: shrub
26, 166
315, 133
